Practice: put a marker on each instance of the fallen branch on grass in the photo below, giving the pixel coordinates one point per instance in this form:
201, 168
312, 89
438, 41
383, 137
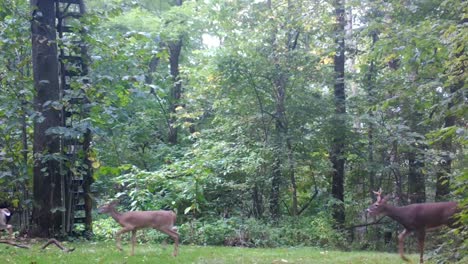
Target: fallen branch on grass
11, 243
50, 241
58, 244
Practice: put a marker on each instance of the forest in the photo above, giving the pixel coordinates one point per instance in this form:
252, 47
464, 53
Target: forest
263, 124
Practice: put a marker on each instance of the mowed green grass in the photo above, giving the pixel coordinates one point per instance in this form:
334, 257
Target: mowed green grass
100, 252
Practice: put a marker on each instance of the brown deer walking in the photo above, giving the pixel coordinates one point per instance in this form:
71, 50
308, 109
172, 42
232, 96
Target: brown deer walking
163, 221
415, 218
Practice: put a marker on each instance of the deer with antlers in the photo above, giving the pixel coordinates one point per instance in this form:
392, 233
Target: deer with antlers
415, 218
163, 221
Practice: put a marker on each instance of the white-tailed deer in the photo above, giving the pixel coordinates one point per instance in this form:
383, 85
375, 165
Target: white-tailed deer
415, 218
3, 222
163, 221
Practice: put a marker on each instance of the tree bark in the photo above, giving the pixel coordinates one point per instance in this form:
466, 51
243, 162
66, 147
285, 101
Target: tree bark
257, 203
175, 48
443, 180
47, 179
338, 141
416, 181
279, 84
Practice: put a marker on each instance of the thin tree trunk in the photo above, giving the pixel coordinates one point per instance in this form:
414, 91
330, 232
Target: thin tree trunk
87, 181
292, 177
370, 85
24, 173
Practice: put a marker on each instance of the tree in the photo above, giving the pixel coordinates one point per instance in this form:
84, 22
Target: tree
337, 155
175, 47
48, 181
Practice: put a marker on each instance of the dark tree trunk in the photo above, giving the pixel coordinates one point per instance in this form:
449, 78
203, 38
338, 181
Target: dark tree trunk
47, 215
280, 138
174, 51
443, 180
416, 181
279, 88
174, 56
257, 202
338, 143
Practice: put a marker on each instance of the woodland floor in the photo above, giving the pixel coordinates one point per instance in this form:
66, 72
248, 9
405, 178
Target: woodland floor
105, 252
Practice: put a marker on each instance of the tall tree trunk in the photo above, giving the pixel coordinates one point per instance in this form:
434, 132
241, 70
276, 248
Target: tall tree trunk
47, 208
280, 127
443, 180
338, 142
371, 93
24, 218
174, 51
174, 56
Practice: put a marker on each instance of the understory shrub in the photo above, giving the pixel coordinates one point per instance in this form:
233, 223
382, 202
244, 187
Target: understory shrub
303, 231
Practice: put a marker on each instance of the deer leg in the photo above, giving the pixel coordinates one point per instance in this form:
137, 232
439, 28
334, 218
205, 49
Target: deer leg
117, 236
174, 236
133, 241
401, 243
10, 231
421, 237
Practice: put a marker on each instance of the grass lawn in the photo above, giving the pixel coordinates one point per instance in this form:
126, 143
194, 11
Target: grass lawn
100, 252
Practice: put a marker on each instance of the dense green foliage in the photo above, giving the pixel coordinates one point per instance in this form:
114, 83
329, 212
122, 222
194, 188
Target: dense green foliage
256, 111
316, 232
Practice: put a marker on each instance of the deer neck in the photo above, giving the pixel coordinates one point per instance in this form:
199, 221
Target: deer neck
115, 214
396, 213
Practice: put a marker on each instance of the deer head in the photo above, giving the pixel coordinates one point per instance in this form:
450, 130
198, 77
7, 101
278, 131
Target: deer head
377, 208
107, 208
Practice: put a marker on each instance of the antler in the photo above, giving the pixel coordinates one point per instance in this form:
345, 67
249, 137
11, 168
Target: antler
379, 194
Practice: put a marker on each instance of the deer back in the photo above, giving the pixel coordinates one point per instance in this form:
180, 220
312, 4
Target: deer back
427, 215
142, 219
